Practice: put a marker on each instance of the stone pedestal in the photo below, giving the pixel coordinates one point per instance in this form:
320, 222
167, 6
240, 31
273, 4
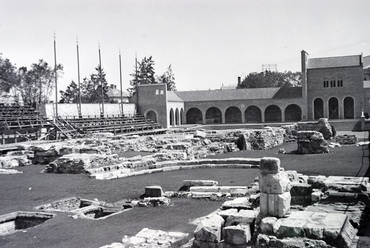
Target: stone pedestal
275, 188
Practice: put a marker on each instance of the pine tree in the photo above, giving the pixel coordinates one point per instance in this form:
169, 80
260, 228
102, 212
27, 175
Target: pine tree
168, 78
143, 75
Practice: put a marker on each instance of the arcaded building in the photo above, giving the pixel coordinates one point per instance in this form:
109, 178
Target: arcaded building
333, 87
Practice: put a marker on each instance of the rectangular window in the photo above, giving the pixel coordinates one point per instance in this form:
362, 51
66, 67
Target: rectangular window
340, 83
332, 83
326, 84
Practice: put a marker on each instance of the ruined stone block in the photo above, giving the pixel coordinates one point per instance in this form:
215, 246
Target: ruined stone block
311, 142
209, 229
274, 204
291, 228
190, 183
204, 244
274, 183
238, 203
316, 196
267, 225
226, 213
262, 241
153, 191
200, 134
300, 200
237, 235
301, 189
243, 217
269, 165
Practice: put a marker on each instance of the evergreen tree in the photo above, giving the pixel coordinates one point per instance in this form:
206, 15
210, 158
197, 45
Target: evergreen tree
168, 78
70, 95
143, 75
91, 89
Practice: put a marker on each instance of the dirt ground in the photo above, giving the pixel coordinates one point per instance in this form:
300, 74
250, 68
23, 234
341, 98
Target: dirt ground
30, 189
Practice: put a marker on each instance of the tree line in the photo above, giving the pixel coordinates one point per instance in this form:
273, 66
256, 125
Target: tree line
30, 85
36, 84
271, 79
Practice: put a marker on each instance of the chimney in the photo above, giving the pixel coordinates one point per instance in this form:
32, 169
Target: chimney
239, 81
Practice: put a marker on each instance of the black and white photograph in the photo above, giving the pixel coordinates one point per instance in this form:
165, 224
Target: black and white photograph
184, 123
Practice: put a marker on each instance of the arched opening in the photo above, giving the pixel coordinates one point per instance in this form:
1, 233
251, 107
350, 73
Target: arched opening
177, 117
333, 108
272, 114
171, 117
349, 108
194, 116
318, 108
213, 115
151, 115
181, 116
253, 114
233, 115
293, 113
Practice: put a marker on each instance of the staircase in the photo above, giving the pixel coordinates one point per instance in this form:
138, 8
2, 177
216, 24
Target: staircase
66, 128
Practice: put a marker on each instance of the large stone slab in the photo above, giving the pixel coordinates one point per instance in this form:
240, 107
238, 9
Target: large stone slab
238, 203
190, 183
333, 228
347, 184
209, 229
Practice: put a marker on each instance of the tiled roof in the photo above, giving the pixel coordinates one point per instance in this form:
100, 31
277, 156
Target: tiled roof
330, 62
172, 97
289, 92
222, 95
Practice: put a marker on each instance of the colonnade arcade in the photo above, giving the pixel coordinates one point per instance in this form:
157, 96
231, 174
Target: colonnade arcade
251, 114
333, 108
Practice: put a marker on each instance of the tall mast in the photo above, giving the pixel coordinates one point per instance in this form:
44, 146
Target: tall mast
120, 81
136, 68
101, 83
56, 76
79, 81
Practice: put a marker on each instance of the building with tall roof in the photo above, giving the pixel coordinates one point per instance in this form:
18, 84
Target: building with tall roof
332, 87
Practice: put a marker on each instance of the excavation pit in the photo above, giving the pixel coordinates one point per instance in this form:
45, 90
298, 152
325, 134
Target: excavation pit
13, 222
100, 212
67, 205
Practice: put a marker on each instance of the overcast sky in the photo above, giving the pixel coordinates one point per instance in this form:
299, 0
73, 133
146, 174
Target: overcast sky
207, 42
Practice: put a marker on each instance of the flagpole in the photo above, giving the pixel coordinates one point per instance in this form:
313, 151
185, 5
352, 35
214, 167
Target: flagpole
79, 82
120, 81
101, 84
56, 76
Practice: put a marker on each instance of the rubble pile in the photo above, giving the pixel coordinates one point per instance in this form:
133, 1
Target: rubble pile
322, 126
151, 238
346, 139
311, 142
323, 212
79, 163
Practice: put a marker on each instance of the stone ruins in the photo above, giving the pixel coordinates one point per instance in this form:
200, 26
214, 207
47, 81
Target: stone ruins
280, 209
